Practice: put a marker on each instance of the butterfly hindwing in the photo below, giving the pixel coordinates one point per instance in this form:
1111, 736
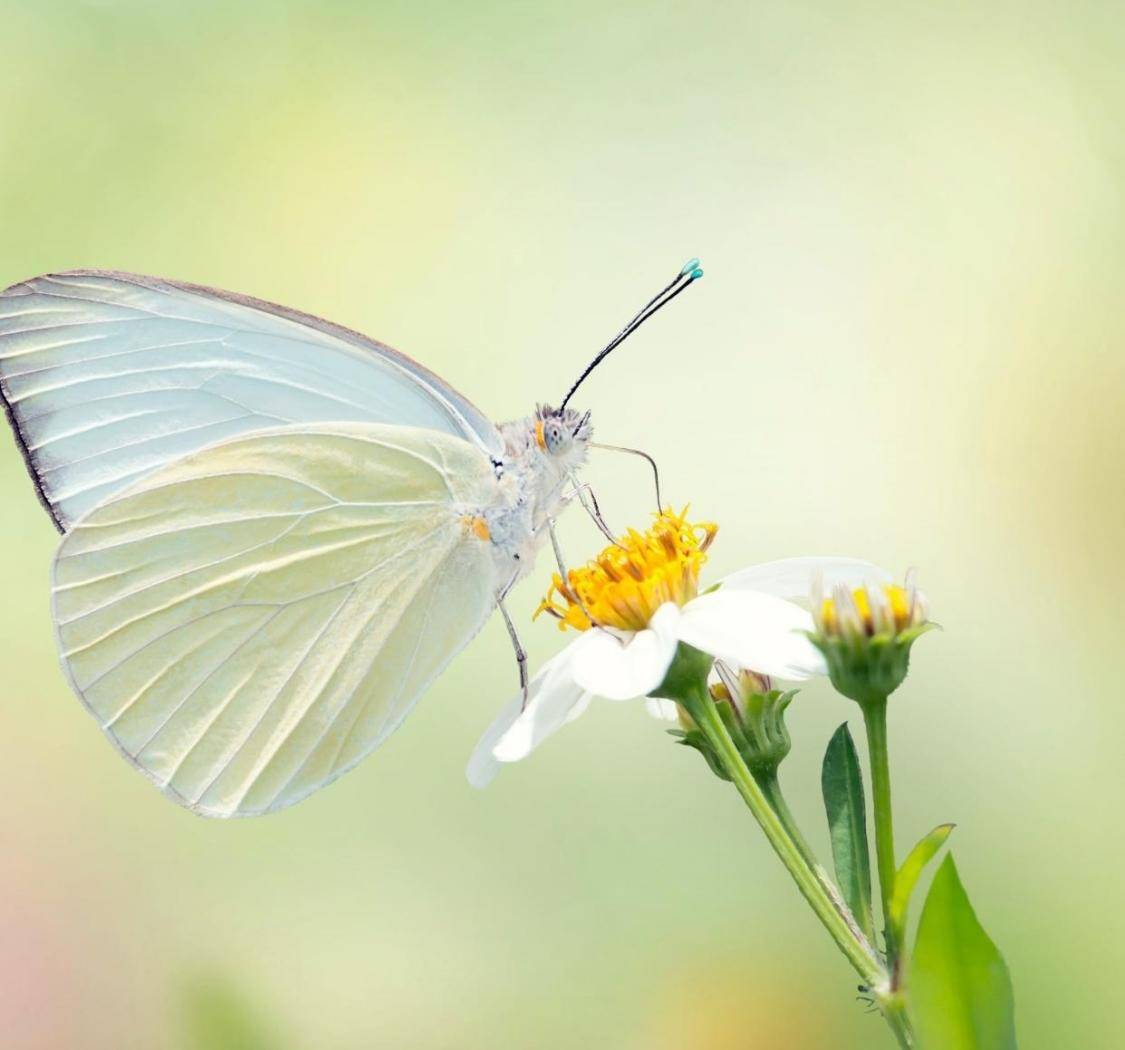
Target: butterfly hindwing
249, 622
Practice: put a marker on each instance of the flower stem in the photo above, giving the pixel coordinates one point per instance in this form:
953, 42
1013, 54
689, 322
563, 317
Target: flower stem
894, 1013
686, 683
771, 788
702, 709
875, 721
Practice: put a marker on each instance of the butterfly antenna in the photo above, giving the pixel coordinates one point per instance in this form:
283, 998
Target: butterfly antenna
643, 455
688, 275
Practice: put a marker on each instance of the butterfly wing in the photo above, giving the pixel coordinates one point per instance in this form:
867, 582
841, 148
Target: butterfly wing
249, 622
108, 376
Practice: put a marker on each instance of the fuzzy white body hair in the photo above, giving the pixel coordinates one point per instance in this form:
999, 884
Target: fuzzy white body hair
533, 489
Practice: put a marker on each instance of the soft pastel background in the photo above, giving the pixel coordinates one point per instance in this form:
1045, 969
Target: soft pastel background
908, 347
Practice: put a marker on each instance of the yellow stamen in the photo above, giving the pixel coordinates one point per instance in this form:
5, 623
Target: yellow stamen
625, 584
896, 608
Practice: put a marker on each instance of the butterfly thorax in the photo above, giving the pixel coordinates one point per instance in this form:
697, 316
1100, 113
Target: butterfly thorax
542, 453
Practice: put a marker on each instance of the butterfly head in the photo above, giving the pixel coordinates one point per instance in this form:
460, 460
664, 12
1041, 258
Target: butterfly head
562, 434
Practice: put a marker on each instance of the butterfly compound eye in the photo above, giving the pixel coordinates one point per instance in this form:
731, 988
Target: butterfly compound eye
555, 437
557, 432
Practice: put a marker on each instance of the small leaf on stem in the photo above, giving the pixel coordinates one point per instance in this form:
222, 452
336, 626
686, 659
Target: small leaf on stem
842, 784
959, 991
907, 877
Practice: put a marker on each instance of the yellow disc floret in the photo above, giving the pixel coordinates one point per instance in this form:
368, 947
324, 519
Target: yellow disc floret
895, 609
866, 634
625, 584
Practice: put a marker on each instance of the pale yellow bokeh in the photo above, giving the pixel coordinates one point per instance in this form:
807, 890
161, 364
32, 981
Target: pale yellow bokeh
719, 1003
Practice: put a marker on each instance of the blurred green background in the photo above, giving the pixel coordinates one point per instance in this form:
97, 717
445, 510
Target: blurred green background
908, 347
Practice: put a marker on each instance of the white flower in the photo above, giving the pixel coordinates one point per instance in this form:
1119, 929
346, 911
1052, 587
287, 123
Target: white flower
754, 620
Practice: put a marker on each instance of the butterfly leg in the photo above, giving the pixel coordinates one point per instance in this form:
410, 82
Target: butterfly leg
564, 573
589, 503
521, 656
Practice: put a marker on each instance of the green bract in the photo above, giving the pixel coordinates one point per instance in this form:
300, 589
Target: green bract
868, 668
754, 715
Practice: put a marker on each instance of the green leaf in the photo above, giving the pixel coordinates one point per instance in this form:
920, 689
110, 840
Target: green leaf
907, 877
842, 784
959, 991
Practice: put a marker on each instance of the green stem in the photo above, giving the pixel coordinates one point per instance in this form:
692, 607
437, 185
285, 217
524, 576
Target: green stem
702, 709
894, 1013
875, 720
771, 788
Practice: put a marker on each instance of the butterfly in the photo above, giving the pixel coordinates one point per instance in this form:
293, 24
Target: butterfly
276, 532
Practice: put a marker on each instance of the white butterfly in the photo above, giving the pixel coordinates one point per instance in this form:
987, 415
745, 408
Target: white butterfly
276, 531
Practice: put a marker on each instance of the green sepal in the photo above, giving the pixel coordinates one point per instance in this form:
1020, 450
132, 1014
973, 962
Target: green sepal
685, 681
734, 726
866, 668
693, 738
765, 739
912, 634
757, 728
841, 782
959, 991
906, 878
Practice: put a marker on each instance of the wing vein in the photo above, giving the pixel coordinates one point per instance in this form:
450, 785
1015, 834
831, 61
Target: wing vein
332, 722
260, 765
230, 474
98, 357
205, 567
432, 587
143, 441
122, 711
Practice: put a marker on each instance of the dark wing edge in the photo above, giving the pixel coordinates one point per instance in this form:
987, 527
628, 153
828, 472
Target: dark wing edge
30, 463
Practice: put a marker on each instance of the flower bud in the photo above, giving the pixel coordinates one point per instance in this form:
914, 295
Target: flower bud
754, 713
866, 634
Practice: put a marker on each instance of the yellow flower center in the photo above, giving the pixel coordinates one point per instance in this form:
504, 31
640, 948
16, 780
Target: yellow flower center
625, 584
897, 609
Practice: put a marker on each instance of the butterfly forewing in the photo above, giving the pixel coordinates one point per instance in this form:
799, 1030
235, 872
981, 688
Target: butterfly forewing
249, 622
107, 377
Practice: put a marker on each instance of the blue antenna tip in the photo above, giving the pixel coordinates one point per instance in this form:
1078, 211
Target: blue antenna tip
696, 274
689, 266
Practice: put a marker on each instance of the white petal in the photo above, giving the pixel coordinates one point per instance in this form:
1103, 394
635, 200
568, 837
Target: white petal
559, 700
483, 764
579, 708
665, 710
553, 700
757, 631
621, 669
793, 577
